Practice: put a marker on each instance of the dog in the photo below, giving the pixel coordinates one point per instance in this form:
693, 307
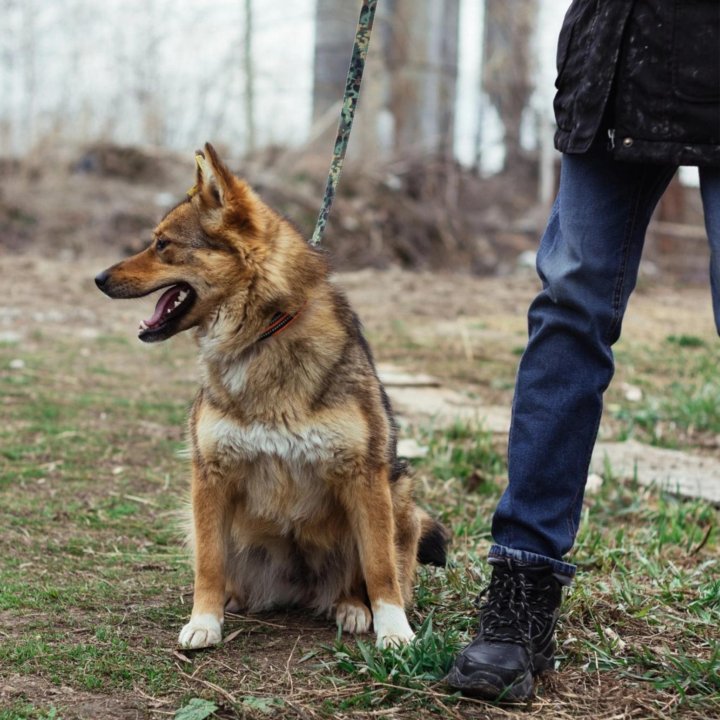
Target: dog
298, 497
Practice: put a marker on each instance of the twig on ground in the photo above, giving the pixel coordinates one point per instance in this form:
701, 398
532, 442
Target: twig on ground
211, 685
287, 665
245, 618
703, 542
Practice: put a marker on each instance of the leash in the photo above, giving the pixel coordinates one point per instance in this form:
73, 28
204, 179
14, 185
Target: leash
280, 320
347, 114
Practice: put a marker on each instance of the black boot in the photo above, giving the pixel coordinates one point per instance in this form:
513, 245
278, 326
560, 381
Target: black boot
515, 641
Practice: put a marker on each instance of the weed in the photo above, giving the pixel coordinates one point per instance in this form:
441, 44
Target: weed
465, 452
22, 710
688, 341
397, 671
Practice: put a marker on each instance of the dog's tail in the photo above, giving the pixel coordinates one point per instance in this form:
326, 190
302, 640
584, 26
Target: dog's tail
434, 539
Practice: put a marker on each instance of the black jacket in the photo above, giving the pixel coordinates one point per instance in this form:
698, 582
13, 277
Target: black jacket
647, 71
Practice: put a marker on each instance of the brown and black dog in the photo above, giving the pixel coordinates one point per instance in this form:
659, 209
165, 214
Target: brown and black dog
298, 497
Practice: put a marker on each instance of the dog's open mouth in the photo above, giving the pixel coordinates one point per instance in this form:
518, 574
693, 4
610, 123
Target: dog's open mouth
175, 302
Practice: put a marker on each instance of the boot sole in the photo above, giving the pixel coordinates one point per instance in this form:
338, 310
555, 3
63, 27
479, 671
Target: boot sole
483, 684
488, 687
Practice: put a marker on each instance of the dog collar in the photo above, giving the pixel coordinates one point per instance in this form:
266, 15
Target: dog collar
279, 321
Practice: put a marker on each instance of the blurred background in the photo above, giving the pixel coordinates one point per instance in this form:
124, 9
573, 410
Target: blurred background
450, 175
451, 164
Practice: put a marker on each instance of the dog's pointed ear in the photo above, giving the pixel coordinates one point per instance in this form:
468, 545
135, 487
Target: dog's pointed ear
223, 200
213, 180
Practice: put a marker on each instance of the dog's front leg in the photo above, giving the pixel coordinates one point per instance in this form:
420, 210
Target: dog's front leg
370, 507
210, 511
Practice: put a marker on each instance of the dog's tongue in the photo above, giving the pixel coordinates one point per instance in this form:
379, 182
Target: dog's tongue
167, 300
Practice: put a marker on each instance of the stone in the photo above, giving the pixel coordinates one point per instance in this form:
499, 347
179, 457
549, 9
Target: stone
673, 471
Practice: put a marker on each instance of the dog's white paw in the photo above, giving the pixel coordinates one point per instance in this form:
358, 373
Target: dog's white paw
202, 631
353, 617
391, 625
395, 640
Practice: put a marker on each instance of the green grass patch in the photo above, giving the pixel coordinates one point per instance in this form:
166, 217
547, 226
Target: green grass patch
93, 664
687, 341
402, 672
680, 392
22, 710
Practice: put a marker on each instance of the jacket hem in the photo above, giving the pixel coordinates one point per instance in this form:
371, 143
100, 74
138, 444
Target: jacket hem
668, 153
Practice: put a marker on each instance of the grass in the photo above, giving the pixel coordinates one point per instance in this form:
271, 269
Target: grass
94, 584
680, 404
401, 674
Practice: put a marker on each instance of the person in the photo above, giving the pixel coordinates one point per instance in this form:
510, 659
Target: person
638, 94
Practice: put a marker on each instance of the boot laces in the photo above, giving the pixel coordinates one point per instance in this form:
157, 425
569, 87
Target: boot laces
514, 609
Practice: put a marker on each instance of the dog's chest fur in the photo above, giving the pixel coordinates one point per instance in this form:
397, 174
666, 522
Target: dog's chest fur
283, 471
255, 440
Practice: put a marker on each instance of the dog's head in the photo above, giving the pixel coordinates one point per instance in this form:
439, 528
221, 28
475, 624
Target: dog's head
206, 251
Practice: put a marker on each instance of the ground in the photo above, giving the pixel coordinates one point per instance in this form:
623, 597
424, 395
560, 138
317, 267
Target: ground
96, 584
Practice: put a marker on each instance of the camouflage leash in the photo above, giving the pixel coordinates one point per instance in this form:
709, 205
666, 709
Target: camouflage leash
350, 99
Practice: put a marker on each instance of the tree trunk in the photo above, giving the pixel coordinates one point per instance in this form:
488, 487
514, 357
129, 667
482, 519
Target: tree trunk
422, 54
248, 77
507, 76
335, 23
408, 98
28, 59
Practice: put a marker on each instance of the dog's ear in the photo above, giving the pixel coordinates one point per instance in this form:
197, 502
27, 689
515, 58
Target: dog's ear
225, 201
213, 180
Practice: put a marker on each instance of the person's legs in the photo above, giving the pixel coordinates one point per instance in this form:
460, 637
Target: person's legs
588, 262
710, 189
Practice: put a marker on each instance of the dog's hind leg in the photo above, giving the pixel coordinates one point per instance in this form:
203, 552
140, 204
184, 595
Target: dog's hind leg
352, 615
434, 540
233, 604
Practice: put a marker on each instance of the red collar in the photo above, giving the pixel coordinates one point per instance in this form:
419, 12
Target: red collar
279, 321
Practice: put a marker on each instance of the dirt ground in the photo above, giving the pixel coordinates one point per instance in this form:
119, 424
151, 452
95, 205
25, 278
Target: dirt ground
466, 331
427, 322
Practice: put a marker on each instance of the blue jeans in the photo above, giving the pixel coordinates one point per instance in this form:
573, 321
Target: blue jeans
588, 263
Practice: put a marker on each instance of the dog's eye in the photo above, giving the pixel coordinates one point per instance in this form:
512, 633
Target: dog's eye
161, 244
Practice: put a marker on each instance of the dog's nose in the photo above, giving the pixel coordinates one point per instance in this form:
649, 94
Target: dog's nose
101, 278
